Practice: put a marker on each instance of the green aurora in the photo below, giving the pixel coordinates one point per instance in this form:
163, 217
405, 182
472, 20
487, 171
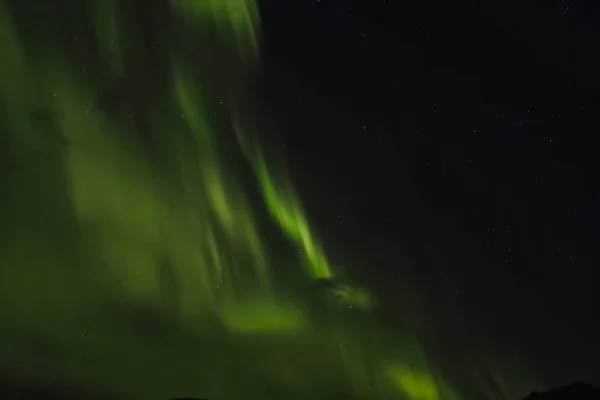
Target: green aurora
135, 199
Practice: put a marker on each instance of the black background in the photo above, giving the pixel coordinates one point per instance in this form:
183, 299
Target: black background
464, 134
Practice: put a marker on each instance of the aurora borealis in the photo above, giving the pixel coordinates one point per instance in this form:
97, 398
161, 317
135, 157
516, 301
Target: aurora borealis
136, 196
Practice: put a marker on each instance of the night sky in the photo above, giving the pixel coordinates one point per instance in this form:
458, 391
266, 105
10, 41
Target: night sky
403, 202
462, 136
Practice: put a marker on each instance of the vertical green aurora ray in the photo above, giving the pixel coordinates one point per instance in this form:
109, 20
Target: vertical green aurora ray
237, 20
285, 208
282, 205
150, 279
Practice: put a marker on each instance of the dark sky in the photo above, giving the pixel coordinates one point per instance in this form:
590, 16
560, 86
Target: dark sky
464, 134
457, 138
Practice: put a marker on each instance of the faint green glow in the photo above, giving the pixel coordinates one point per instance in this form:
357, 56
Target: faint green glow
107, 32
234, 18
417, 385
256, 316
354, 297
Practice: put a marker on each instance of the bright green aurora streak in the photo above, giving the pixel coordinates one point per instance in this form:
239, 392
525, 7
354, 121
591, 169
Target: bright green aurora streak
132, 258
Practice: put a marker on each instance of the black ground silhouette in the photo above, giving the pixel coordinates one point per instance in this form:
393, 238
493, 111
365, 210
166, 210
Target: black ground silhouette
27, 391
574, 391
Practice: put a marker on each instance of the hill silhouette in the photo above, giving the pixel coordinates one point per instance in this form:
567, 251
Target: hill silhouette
574, 391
